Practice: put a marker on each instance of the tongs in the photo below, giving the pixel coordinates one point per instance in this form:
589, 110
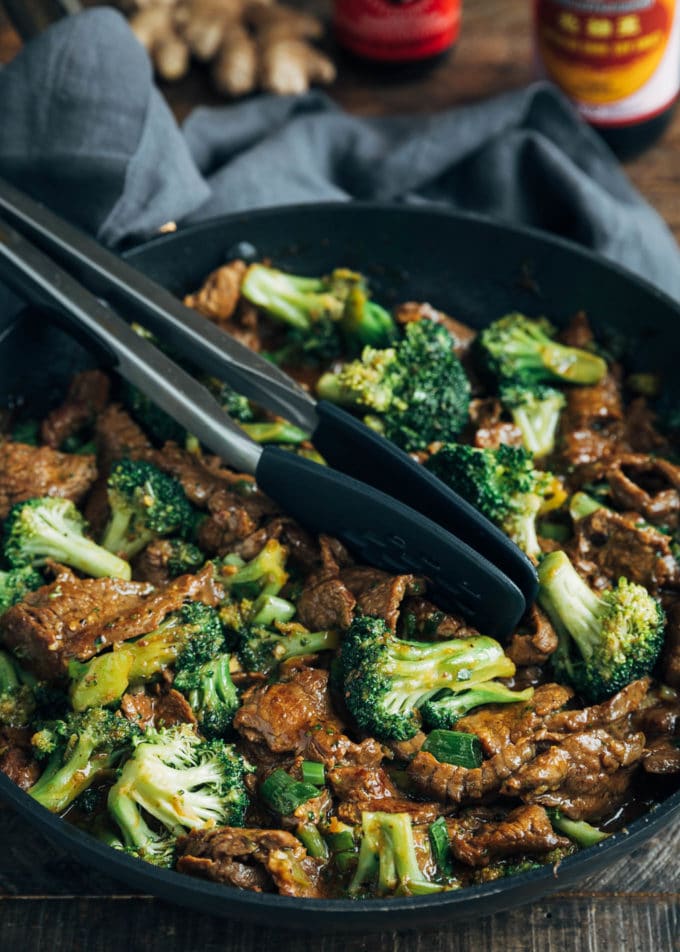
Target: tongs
388, 509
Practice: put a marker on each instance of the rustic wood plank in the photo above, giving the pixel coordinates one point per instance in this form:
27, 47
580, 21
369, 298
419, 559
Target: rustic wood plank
72, 924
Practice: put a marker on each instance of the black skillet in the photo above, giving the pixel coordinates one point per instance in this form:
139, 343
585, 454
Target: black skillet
476, 270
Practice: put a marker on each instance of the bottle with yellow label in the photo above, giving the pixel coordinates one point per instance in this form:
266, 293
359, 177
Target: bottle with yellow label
618, 60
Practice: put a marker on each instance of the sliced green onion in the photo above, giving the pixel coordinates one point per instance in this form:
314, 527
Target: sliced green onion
313, 772
281, 432
282, 794
579, 831
342, 841
440, 844
312, 840
454, 747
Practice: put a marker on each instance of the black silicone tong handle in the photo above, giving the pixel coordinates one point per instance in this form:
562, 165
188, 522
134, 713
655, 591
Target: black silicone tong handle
375, 526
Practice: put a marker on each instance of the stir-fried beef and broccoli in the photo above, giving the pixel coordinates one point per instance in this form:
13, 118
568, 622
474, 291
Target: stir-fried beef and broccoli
190, 676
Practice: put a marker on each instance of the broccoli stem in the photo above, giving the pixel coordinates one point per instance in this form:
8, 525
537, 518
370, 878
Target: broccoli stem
388, 850
463, 662
312, 840
569, 601
59, 786
270, 608
278, 432
582, 505
579, 831
296, 301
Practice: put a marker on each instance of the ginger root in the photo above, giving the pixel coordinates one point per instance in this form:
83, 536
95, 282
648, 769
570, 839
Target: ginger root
249, 44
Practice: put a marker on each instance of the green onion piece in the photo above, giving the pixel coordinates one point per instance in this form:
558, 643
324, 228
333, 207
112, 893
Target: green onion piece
282, 794
579, 831
341, 842
346, 861
312, 840
454, 747
554, 530
441, 847
313, 772
280, 432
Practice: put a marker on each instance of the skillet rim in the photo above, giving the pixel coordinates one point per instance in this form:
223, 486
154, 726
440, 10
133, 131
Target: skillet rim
344, 914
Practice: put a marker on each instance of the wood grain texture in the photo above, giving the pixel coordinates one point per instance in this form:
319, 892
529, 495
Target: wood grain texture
49, 902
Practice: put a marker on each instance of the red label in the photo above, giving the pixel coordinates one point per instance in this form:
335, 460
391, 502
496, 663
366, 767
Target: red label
390, 30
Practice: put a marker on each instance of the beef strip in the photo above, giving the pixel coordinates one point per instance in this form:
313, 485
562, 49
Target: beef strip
294, 716
612, 544
584, 775
87, 396
201, 477
354, 783
420, 618
478, 840
662, 756
151, 565
578, 332
412, 311
647, 484
535, 641
16, 756
350, 811
219, 295
329, 604
360, 579
27, 472
252, 859
618, 708
641, 431
118, 436
384, 599
592, 426
77, 618
670, 658
449, 783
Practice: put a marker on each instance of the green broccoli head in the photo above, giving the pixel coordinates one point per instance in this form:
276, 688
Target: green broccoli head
145, 504
536, 411
185, 558
78, 749
606, 640
444, 711
321, 310
16, 584
183, 782
191, 635
17, 697
503, 485
233, 403
264, 575
158, 424
387, 863
210, 691
386, 680
523, 351
415, 392
52, 528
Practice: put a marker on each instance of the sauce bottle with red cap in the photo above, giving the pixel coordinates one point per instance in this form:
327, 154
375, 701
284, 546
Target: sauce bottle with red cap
618, 61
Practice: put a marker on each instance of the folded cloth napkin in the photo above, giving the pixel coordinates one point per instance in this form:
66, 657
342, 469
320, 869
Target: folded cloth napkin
84, 129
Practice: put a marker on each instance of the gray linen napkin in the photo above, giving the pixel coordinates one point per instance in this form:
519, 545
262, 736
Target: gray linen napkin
84, 128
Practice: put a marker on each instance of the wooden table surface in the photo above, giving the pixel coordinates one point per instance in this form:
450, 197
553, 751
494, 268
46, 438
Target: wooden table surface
49, 902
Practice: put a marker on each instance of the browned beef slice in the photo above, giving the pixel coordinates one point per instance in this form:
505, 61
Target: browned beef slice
151, 565
350, 811
294, 716
451, 784
421, 618
578, 332
384, 599
407, 749
584, 775
27, 472
535, 641
117, 436
592, 425
219, 295
462, 335
200, 477
641, 431
360, 579
647, 484
302, 547
138, 708
77, 618
254, 858
499, 725
329, 604
617, 708
617, 544
662, 756
88, 395
478, 840
670, 659
361, 783
171, 707
16, 756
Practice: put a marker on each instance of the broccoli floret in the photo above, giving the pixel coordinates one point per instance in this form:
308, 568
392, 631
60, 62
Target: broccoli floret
233, 403
523, 351
536, 411
263, 649
145, 504
16, 584
17, 698
300, 348
503, 485
211, 693
79, 748
305, 304
387, 679
192, 635
185, 558
264, 575
444, 711
606, 640
158, 424
52, 528
181, 781
387, 863
415, 392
